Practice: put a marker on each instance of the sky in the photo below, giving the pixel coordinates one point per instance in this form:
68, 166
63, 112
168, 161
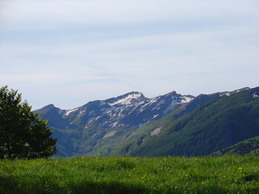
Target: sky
70, 52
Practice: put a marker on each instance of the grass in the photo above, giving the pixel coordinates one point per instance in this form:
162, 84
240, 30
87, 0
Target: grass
228, 174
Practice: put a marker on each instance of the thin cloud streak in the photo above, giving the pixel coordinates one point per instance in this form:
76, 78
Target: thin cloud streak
78, 50
101, 12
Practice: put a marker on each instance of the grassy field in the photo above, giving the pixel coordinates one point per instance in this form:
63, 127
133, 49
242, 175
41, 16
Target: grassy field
228, 174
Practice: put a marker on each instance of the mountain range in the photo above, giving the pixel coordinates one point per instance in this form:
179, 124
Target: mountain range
170, 124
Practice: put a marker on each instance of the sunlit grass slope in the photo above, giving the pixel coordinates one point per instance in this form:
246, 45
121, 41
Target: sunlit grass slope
228, 174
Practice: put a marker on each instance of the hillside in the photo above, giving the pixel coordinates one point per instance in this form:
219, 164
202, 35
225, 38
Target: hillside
220, 123
246, 147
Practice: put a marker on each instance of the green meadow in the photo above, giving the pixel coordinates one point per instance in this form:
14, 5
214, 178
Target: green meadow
227, 174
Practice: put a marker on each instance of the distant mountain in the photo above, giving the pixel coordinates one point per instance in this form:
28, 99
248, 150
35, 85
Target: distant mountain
130, 142
219, 123
85, 129
171, 124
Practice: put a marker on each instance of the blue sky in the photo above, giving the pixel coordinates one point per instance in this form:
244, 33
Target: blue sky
69, 52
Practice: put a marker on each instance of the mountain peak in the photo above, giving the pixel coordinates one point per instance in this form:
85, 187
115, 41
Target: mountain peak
134, 94
48, 107
128, 98
173, 93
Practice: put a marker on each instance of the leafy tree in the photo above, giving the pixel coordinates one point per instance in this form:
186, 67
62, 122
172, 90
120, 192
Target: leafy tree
22, 133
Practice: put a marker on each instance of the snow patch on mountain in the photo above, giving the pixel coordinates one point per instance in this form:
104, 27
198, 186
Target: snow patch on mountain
172, 105
110, 134
155, 132
127, 100
186, 99
155, 116
68, 112
107, 110
115, 124
82, 112
255, 95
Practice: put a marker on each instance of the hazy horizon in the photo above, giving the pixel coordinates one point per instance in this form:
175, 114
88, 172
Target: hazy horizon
68, 52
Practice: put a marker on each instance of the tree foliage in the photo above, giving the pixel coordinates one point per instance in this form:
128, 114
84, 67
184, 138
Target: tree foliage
22, 133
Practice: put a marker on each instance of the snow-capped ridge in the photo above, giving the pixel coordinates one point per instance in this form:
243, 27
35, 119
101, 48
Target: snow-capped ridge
229, 93
127, 99
130, 109
68, 112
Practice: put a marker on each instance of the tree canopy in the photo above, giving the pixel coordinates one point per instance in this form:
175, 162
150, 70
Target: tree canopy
22, 134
